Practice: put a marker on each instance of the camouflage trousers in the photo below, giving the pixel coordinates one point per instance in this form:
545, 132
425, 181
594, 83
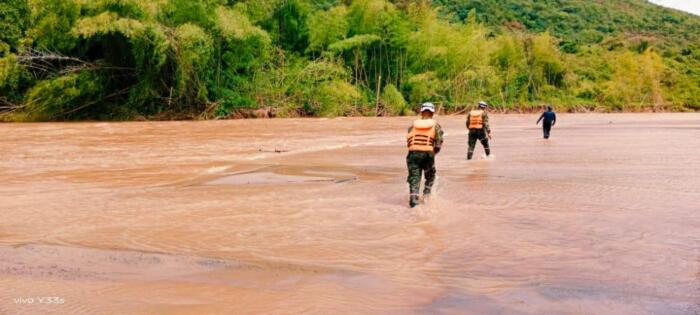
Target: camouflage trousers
419, 163
478, 134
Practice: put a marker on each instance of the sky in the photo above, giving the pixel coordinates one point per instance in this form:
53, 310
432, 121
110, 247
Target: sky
692, 6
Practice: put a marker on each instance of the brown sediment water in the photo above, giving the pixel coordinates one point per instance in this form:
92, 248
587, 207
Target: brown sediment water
310, 216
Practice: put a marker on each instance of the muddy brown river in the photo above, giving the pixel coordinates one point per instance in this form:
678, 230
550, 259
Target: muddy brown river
310, 216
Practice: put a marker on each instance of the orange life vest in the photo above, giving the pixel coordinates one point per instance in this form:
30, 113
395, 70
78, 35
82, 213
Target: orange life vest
422, 136
476, 119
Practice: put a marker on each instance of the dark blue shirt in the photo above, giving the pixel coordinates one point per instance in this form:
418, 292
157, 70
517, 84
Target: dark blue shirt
550, 118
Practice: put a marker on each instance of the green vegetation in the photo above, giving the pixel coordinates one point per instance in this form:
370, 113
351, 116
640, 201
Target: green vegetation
124, 59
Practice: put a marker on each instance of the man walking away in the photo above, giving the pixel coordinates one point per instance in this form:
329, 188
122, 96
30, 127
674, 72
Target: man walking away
424, 141
479, 129
550, 119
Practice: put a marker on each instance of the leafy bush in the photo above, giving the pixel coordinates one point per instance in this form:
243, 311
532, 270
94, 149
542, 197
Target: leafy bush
336, 98
394, 103
64, 97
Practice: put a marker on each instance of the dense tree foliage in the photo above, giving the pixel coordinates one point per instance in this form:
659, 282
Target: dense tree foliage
123, 59
14, 16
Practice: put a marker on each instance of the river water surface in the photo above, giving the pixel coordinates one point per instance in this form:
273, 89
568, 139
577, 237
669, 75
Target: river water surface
311, 216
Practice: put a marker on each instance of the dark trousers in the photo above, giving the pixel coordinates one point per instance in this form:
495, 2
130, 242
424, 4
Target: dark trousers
546, 128
419, 163
478, 134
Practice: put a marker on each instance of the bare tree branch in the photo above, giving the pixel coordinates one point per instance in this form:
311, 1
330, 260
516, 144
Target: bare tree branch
52, 63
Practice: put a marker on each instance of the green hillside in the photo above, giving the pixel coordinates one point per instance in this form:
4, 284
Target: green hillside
166, 59
582, 22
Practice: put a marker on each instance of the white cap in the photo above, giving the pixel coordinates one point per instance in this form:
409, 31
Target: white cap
427, 106
483, 104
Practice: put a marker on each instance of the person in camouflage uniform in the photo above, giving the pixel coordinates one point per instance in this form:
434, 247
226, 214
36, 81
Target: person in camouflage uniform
424, 140
479, 129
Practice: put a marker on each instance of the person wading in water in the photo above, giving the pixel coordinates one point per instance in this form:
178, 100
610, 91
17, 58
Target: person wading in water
424, 141
479, 129
550, 119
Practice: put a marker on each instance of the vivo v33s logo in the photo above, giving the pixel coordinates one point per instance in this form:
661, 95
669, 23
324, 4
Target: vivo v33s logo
46, 300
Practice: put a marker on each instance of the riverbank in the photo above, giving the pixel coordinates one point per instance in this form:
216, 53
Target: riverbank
269, 112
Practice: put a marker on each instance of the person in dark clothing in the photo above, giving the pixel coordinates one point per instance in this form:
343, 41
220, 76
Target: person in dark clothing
549, 119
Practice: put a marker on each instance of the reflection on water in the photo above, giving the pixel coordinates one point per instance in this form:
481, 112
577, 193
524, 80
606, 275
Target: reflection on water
213, 217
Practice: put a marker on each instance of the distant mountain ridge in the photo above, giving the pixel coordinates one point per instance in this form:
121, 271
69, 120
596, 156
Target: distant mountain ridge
586, 21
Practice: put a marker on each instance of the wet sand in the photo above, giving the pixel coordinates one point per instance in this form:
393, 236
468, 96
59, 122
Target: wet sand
310, 216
